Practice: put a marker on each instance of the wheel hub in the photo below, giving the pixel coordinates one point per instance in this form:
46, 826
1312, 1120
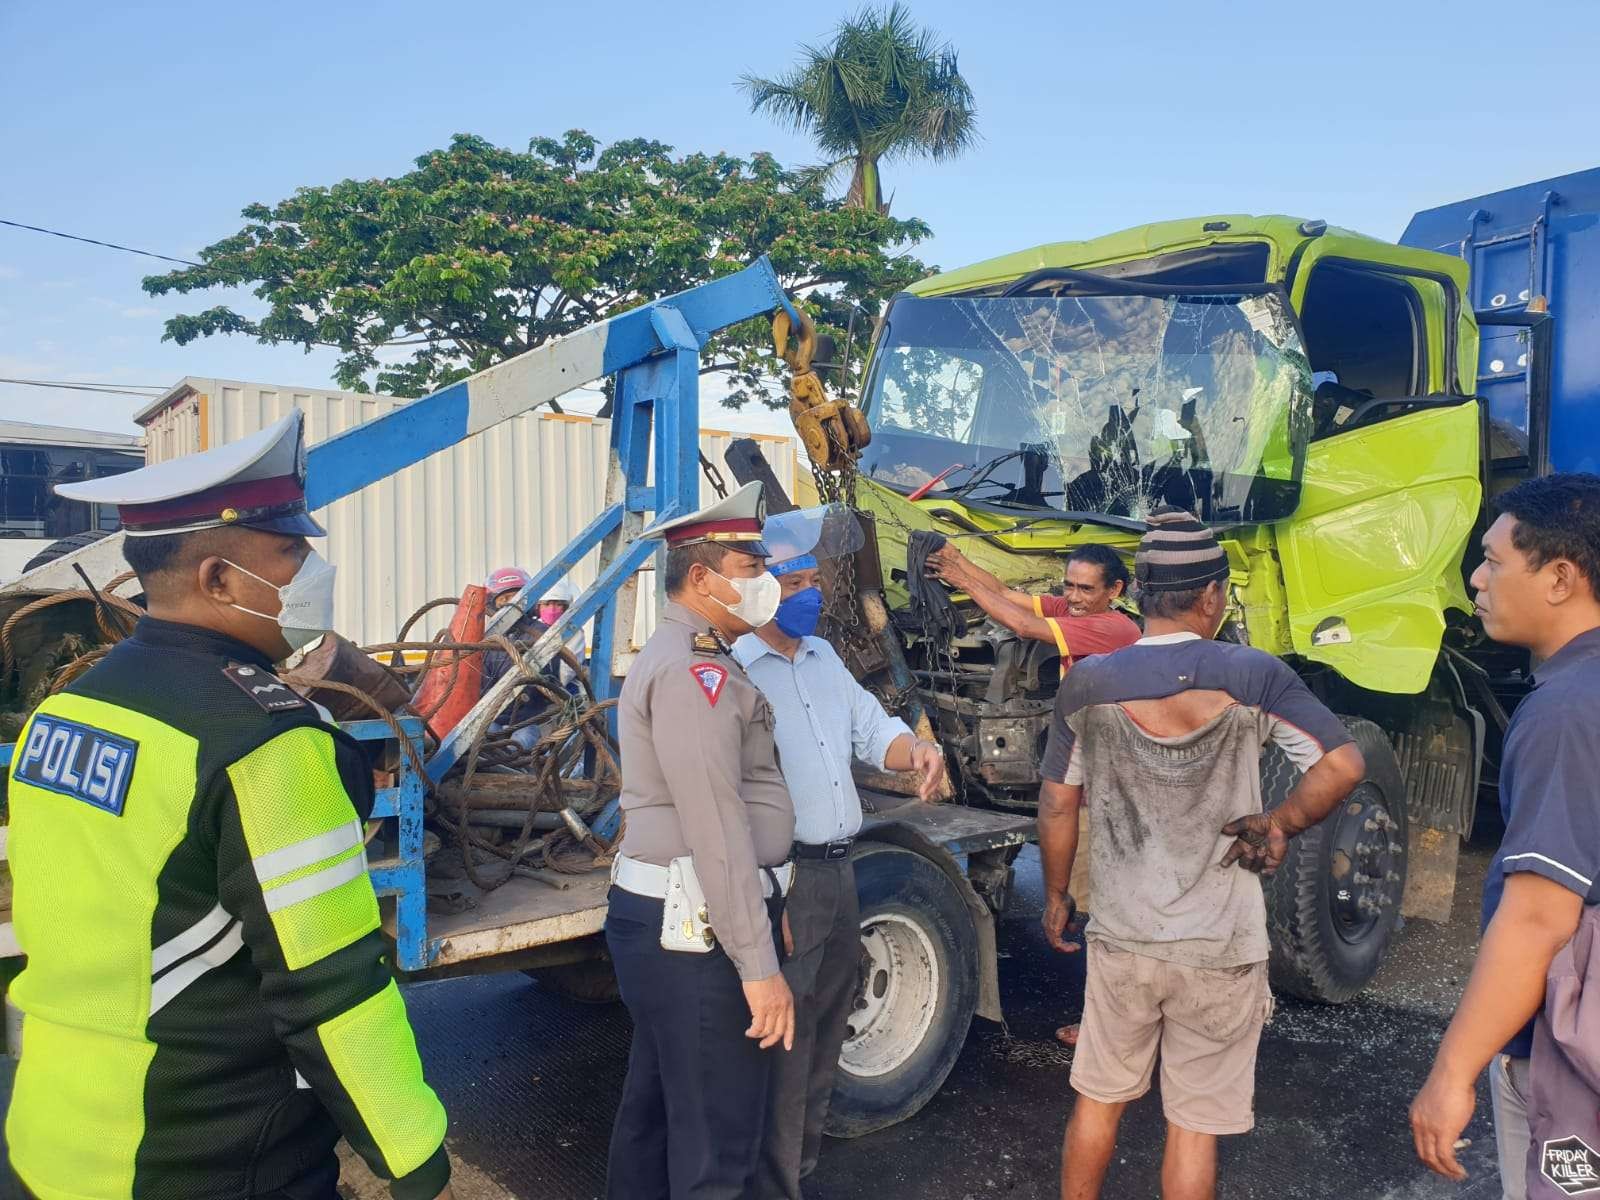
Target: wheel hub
896, 998
1363, 864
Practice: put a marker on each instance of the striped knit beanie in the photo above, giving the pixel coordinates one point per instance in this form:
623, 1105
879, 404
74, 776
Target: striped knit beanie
1179, 553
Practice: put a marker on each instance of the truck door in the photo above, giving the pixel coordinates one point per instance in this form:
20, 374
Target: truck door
1391, 491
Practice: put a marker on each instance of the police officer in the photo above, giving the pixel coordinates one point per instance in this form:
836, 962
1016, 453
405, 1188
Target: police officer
207, 998
696, 901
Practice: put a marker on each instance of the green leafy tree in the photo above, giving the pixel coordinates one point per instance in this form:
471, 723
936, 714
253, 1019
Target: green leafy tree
881, 89
482, 253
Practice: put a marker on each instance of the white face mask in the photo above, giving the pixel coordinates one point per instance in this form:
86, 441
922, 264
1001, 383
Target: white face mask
758, 598
306, 601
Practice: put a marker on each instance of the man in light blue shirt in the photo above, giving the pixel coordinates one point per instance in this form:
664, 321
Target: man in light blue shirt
824, 719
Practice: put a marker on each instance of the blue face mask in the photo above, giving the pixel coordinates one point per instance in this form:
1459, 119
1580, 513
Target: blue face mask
799, 613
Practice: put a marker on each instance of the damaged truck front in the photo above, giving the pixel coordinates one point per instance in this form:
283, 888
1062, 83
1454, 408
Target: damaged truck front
1304, 390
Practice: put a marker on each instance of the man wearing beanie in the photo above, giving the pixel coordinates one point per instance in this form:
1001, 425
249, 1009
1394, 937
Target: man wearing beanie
1163, 746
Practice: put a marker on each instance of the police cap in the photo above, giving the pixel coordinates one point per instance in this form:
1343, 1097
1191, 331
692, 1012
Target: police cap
258, 482
734, 520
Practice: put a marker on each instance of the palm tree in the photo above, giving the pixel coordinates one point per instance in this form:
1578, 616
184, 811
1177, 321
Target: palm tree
882, 89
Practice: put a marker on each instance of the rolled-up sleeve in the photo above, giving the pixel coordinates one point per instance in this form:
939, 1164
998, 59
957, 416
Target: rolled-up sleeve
873, 729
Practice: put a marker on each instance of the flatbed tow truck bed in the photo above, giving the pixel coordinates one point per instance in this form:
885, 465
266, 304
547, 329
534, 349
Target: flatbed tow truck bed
518, 916
526, 915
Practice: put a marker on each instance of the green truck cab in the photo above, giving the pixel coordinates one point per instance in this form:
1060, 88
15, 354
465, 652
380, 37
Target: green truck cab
1309, 393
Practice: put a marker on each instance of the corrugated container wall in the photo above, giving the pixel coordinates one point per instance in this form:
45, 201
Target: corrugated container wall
515, 494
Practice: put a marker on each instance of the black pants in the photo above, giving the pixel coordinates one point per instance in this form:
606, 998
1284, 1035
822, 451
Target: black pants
694, 1106
823, 974
320, 1183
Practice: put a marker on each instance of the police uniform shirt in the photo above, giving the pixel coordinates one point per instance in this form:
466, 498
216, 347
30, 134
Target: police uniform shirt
208, 999
700, 777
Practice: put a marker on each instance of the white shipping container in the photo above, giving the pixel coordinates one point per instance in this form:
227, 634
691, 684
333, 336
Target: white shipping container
515, 494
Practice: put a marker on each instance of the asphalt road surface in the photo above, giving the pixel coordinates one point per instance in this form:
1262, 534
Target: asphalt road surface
531, 1081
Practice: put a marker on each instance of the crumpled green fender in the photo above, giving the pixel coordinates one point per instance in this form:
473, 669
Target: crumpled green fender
1372, 557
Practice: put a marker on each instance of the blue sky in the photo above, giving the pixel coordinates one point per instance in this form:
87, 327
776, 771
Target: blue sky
152, 124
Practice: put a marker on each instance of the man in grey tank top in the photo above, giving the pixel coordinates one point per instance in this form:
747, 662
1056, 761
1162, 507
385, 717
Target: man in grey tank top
1162, 742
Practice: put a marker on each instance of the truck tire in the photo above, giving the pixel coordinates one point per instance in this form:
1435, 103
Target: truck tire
62, 547
919, 989
591, 981
1333, 904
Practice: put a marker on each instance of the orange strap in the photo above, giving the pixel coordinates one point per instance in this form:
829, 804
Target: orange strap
1061, 638
1038, 606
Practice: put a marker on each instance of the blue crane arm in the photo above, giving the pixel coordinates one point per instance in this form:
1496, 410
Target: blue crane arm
380, 447
653, 353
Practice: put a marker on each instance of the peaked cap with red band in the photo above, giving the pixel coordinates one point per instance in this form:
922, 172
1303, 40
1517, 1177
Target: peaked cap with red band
258, 482
735, 520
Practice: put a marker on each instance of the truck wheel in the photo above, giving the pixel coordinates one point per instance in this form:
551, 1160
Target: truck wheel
919, 988
1333, 904
62, 547
591, 981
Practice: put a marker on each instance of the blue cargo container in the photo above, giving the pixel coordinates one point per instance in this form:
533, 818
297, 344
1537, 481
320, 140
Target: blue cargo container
1535, 257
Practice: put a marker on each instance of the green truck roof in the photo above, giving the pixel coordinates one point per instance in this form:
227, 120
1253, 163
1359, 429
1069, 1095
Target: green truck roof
1282, 234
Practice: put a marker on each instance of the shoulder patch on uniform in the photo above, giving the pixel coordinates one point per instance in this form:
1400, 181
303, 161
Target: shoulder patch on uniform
708, 643
77, 760
265, 688
711, 679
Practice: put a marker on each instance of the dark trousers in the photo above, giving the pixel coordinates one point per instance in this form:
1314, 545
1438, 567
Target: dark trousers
694, 1104
319, 1183
823, 973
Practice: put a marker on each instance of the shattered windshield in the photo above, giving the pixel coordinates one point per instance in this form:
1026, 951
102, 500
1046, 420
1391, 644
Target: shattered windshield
1105, 404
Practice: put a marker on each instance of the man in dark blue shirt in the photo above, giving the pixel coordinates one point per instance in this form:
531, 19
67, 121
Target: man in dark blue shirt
1539, 588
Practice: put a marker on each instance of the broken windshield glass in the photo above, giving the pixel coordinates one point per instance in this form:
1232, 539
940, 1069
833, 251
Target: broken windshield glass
1112, 404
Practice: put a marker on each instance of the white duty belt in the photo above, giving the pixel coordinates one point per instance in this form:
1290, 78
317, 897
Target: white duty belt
647, 879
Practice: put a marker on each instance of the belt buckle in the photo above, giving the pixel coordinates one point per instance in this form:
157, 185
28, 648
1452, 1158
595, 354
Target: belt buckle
836, 850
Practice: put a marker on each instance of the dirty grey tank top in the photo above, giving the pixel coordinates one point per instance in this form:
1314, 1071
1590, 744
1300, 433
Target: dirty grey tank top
1156, 806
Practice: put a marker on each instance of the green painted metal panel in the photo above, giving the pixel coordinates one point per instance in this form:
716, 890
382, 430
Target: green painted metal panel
1372, 557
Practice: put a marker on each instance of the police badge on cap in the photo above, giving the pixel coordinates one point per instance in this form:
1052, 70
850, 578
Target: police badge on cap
735, 521
258, 482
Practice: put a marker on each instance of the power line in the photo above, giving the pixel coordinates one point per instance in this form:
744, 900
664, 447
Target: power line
72, 237
142, 390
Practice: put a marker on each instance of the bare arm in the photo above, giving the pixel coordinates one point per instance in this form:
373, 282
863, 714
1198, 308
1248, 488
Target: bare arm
1058, 843
1017, 616
1536, 917
1263, 838
909, 753
959, 571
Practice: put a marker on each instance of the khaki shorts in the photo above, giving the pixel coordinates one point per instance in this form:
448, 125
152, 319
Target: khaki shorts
1205, 1022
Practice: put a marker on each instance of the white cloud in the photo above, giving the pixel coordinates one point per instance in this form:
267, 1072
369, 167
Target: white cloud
140, 311
8, 272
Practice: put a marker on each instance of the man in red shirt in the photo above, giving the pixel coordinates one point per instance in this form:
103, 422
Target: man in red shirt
1079, 623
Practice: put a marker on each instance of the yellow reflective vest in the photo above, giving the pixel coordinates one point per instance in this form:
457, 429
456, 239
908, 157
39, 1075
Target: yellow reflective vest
207, 999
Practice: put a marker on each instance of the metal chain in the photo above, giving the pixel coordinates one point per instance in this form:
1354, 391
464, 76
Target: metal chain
713, 476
